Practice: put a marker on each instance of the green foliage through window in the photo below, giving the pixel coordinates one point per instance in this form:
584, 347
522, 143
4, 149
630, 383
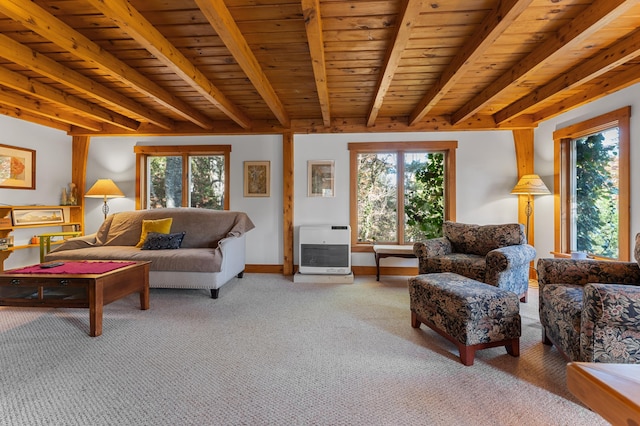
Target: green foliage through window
424, 199
596, 194
384, 178
205, 179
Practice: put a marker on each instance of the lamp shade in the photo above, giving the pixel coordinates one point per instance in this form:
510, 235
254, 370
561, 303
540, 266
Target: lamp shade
530, 185
104, 188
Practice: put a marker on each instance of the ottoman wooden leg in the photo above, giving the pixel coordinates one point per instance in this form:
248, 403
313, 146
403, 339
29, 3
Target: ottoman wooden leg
513, 347
467, 354
415, 322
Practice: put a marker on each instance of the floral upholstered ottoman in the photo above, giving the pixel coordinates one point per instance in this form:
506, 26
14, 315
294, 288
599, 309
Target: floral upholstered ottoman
471, 314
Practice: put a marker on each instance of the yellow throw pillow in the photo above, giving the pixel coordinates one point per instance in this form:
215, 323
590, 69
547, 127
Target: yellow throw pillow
161, 226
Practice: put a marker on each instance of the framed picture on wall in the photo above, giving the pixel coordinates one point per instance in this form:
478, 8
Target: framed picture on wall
23, 217
257, 178
321, 182
17, 167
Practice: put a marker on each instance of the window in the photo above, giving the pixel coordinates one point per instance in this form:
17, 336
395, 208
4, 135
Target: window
183, 176
591, 185
400, 191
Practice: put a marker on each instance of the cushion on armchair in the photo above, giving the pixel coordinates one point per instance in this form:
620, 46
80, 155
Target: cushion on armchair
481, 239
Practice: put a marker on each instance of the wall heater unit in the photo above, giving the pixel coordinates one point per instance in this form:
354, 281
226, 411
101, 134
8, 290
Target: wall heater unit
325, 249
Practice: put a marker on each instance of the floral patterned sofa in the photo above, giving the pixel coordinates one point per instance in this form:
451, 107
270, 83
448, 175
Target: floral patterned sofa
493, 254
590, 309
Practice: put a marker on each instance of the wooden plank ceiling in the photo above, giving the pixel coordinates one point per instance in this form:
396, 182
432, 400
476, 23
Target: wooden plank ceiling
125, 67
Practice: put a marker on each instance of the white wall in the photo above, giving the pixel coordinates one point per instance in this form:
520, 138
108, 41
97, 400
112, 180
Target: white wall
113, 157
544, 209
486, 173
53, 173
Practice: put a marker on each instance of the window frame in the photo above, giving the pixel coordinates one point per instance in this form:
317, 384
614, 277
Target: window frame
561, 179
399, 148
143, 152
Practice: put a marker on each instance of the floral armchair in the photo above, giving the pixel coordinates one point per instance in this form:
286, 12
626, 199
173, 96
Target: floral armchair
492, 254
590, 309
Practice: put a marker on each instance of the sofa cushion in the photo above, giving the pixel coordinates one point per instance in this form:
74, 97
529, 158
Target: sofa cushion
481, 239
184, 259
161, 226
468, 265
158, 241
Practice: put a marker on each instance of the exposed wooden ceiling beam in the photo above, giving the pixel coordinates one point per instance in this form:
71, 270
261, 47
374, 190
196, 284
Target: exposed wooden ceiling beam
603, 62
593, 18
40, 21
17, 101
493, 25
616, 82
225, 26
140, 29
313, 24
407, 18
305, 126
40, 90
23, 55
37, 119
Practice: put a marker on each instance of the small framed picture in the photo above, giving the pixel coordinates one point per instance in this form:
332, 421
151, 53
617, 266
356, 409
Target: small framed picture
257, 178
321, 178
17, 167
37, 216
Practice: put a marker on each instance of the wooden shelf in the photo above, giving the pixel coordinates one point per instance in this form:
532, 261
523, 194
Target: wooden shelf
72, 214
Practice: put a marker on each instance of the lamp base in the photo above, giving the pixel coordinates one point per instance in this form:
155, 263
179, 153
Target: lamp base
105, 209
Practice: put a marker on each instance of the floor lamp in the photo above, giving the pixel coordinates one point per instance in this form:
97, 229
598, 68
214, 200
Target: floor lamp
530, 185
104, 188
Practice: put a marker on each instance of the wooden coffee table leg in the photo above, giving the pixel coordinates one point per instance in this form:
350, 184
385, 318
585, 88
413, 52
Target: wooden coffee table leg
144, 294
96, 305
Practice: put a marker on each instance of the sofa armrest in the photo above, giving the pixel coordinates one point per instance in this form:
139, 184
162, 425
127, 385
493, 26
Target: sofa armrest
233, 250
432, 247
429, 249
582, 272
73, 243
610, 331
504, 258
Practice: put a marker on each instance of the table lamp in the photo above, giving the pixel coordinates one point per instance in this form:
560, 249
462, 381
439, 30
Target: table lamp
104, 188
530, 185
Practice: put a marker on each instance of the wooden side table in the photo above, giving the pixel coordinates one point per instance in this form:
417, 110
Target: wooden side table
382, 250
611, 390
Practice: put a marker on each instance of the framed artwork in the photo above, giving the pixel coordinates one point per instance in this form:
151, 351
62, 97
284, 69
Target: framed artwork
257, 178
17, 167
36, 216
321, 178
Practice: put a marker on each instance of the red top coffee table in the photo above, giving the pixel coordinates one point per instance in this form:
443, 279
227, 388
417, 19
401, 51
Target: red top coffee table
76, 284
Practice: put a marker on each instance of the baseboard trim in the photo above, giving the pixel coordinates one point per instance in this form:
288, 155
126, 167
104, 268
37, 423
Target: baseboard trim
264, 269
357, 270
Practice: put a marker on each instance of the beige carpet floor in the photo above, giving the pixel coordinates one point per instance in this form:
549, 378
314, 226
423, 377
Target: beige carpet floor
271, 352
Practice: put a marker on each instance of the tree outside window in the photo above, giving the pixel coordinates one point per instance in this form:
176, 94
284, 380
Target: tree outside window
400, 191
591, 184
189, 176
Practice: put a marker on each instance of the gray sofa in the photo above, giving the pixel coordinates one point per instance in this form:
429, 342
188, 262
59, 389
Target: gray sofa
212, 251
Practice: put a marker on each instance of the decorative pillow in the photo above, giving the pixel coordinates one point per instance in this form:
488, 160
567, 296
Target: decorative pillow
481, 239
636, 253
157, 241
161, 226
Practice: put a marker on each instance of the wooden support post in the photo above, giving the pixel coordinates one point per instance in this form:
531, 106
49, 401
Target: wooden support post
287, 200
523, 142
